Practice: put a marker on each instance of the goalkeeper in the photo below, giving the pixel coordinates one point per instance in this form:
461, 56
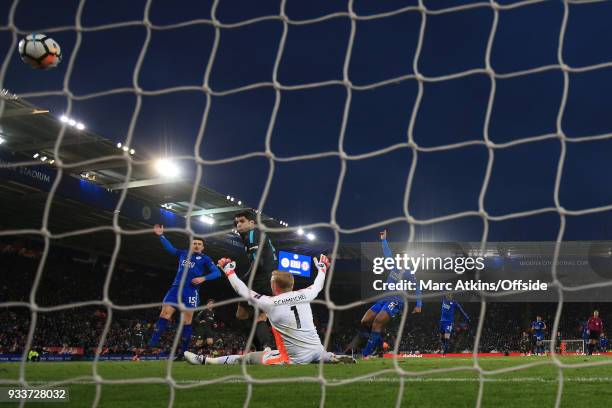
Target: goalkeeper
290, 314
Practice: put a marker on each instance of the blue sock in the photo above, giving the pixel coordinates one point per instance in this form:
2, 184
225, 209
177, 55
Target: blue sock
187, 329
363, 334
372, 343
160, 328
445, 345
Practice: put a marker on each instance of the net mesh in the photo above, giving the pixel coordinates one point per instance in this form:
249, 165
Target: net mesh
340, 153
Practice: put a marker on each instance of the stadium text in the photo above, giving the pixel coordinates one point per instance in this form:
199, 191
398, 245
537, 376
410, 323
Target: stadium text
191, 264
404, 262
27, 172
6, 94
461, 285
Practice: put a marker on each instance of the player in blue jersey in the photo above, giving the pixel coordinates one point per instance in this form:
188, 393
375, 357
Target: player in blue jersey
537, 328
381, 312
603, 343
447, 319
189, 297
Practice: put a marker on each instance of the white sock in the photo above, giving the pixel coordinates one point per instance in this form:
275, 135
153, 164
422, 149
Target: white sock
233, 359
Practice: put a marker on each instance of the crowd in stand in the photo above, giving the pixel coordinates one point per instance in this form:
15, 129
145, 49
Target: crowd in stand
71, 277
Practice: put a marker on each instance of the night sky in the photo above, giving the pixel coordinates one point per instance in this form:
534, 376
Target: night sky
309, 121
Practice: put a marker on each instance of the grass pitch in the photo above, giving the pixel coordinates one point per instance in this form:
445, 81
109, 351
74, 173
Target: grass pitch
437, 382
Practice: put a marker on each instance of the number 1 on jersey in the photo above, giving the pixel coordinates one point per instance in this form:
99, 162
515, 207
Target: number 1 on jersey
297, 317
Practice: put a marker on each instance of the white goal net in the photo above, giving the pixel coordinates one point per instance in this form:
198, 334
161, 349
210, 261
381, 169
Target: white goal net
424, 12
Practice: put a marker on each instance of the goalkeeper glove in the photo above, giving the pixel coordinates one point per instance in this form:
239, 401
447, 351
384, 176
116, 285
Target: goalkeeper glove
227, 265
322, 264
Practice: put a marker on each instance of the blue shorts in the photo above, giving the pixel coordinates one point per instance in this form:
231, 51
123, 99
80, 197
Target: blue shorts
446, 327
391, 307
538, 337
190, 298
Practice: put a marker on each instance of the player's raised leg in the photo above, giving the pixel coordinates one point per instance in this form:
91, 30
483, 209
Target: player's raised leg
379, 323
365, 327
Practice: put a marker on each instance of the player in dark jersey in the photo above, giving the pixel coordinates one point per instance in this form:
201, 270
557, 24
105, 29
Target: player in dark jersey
246, 225
558, 343
537, 328
206, 323
137, 335
525, 343
447, 319
595, 327
190, 298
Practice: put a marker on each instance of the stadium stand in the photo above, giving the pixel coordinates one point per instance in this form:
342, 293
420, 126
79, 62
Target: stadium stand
73, 275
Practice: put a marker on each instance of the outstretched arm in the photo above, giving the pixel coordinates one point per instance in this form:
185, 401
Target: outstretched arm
159, 230
214, 273
465, 315
385, 245
419, 301
168, 246
313, 290
263, 302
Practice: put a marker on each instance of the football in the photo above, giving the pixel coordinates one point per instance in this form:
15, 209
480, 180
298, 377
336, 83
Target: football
40, 51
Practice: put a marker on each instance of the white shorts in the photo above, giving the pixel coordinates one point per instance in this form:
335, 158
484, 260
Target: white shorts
311, 356
275, 357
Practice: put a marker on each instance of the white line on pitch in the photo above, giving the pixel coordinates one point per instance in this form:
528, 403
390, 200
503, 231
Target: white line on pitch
331, 381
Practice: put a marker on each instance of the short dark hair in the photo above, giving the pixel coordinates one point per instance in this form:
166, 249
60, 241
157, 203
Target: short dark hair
198, 239
248, 214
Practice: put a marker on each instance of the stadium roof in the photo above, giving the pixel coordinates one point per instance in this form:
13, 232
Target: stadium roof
29, 134
29, 130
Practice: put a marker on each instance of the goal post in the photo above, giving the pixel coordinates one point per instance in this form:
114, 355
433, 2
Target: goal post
415, 73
